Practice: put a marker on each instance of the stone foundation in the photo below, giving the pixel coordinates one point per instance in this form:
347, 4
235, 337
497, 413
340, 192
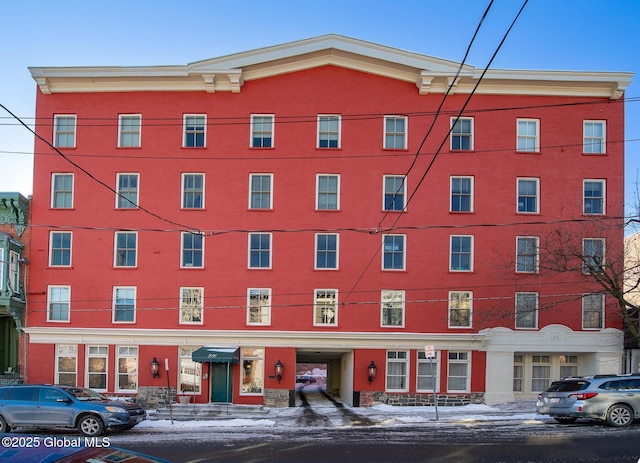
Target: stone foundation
151, 397
276, 398
372, 398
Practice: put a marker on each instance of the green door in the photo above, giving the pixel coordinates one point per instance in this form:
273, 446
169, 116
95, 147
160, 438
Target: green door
221, 382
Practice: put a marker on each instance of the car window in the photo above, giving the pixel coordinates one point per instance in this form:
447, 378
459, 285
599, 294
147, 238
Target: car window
4, 394
568, 386
610, 385
629, 384
83, 394
50, 395
22, 393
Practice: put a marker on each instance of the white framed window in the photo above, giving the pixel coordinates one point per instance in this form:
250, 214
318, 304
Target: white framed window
124, 304
129, 130
252, 361
528, 195
327, 192
395, 132
127, 188
392, 308
527, 251
262, 128
260, 250
518, 373
126, 249
191, 305
397, 371
190, 380
461, 194
528, 138
395, 192
568, 366
259, 306
192, 251
327, 256
459, 372
460, 309
593, 255
260, 191
60, 248
192, 191
58, 303
461, 255
594, 137
394, 252
127, 368
64, 130
96, 370
462, 134
526, 310
329, 131
62, 191
14, 272
594, 197
195, 131
593, 311
325, 307
540, 372
428, 373
67, 364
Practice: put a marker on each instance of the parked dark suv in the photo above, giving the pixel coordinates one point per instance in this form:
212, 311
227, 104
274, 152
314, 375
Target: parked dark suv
46, 406
611, 398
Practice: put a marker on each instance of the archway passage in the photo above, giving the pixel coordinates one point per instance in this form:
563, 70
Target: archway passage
326, 371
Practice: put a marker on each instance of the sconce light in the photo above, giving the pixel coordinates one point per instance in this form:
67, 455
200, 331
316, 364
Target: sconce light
155, 368
278, 368
372, 371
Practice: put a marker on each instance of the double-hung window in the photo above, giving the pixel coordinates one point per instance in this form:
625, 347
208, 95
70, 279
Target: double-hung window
461, 255
462, 134
67, 364
460, 309
327, 251
126, 249
127, 368
392, 308
195, 130
127, 197
329, 131
393, 252
60, 249
528, 135
327, 192
526, 310
461, 194
593, 255
97, 361
192, 250
395, 132
325, 307
124, 304
397, 371
427, 373
594, 197
58, 303
528, 195
594, 137
593, 311
259, 306
527, 254
458, 372
259, 250
191, 305
192, 191
260, 191
64, 131
395, 189
262, 131
62, 191
129, 127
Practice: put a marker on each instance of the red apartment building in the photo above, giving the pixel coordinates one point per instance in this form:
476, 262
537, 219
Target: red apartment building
309, 203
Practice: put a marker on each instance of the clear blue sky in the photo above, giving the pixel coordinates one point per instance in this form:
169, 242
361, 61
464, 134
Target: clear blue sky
580, 35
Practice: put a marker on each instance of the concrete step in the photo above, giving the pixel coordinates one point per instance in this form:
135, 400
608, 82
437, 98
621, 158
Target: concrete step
185, 412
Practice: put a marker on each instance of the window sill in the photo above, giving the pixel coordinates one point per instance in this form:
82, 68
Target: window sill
259, 148
452, 151
462, 212
528, 152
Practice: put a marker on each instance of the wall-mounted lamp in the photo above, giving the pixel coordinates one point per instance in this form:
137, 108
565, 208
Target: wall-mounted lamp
372, 370
154, 367
278, 369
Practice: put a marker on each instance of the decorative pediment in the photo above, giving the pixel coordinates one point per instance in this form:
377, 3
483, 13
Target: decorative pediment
13, 211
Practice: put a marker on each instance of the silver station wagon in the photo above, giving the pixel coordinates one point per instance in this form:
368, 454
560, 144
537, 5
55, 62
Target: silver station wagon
611, 398
45, 406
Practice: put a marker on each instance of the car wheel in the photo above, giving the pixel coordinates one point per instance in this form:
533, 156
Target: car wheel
620, 415
4, 427
565, 419
90, 425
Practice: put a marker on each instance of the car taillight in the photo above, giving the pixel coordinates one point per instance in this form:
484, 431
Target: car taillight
583, 396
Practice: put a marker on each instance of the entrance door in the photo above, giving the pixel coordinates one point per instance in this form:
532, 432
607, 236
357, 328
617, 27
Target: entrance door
221, 382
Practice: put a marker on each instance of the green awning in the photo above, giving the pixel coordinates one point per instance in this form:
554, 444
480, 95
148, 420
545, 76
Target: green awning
215, 355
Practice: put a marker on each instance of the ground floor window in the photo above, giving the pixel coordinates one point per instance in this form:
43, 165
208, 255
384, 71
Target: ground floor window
252, 361
67, 365
427, 371
518, 373
127, 368
397, 370
534, 372
568, 366
458, 372
97, 357
190, 372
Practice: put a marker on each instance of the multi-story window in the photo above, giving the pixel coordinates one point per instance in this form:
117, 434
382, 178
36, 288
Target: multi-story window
60, 249
124, 304
461, 194
526, 310
461, 256
328, 131
67, 365
64, 131
593, 311
458, 372
192, 250
14, 272
397, 371
97, 361
262, 130
462, 134
192, 191
528, 195
258, 306
252, 361
395, 189
190, 380
392, 308
259, 250
126, 249
325, 307
62, 191
518, 373
127, 197
58, 303
460, 309
327, 251
195, 129
593, 194
393, 252
191, 305
260, 186
395, 132
127, 369
527, 254
540, 372
528, 135
327, 192
594, 137
593, 255
427, 371
129, 127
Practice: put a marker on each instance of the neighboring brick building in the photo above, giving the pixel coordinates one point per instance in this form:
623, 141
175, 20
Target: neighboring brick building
262, 218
